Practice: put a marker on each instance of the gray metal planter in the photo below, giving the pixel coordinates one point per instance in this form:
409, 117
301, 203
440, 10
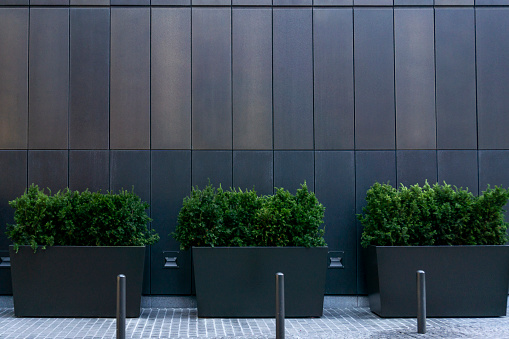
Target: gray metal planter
240, 281
461, 281
75, 281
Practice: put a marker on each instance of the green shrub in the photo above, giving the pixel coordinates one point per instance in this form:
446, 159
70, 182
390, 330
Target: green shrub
71, 218
437, 215
214, 217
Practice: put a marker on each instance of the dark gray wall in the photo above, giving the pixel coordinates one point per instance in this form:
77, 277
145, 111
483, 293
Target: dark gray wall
168, 94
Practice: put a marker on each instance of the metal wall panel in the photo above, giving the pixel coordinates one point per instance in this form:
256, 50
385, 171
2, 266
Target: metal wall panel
130, 2
89, 170
49, 2
374, 79
48, 78
415, 78
492, 77
14, 2
130, 170
372, 2
252, 78
14, 78
171, 182
335, 189
90, 2
211, 2
89, 93
48, 169
171, 78
130, 78
459, 168
211, 80
13, 165
252, 2
293, 78
333, 2
493, 166
292, 168
292, 2
333, 78
253, 169
455, 78
370, 167
413, 2
416, 167
212, 166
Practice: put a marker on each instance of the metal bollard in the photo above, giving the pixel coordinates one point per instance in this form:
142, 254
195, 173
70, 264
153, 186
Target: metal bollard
280, 306
121, 306
421, 302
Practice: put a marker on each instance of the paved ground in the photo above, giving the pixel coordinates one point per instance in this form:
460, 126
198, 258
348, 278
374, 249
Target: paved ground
346, 323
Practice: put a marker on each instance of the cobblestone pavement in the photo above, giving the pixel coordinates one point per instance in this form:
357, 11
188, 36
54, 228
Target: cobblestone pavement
345, 323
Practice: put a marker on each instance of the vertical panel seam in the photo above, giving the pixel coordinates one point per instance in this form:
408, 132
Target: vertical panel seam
28, 98
476, 104
394, 98
436, 108
272, 99
68, 95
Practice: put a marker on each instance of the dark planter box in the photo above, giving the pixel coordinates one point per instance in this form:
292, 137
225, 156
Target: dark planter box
461, 281
75, 281
241, 281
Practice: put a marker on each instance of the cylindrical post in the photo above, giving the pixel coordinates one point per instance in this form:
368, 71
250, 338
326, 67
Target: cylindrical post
121, 306
421, 302
280, 306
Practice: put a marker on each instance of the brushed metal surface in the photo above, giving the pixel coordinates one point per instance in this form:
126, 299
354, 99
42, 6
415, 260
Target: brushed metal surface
130, 78
48, 78
171, 78
333, 78
252, 78
211, 79
415, 78
14, 78
293, 78
89, 92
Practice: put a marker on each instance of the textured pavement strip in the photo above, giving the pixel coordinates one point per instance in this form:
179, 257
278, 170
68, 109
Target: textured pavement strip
347, 323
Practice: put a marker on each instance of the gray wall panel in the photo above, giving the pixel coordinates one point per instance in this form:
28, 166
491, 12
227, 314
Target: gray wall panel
90, 2
252, 78
211, 81
48, 169
416, 167
213, 166
130, 170
335, 189
370, 167
415, 78
13, 165
333, 78
493, 77
48, 78
130, 78
49, 2
292, 2
455, 78
459, 168
211, 2
89, 94
293, 79
374, 79
14, 78
253, 169
89, 170
292, 168
171, 78
493, 166
171, 182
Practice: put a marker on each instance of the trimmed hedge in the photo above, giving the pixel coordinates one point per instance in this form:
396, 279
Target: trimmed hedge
71, 218
215, 217
433, 215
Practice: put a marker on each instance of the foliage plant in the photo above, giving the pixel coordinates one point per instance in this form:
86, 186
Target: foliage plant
71, 218
433, 215
215, 217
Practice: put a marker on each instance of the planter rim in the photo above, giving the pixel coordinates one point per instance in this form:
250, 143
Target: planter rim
437, 246
59, 246
259, 247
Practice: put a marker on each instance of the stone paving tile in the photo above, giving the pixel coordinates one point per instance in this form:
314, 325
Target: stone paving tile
349, 323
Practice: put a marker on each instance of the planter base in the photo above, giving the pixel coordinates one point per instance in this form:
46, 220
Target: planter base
74, 281
239, 282
461, 281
